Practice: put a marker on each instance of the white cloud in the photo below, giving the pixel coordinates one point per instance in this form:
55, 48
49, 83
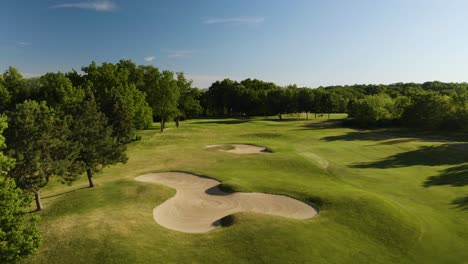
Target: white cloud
235, 20
101, 6
150, 58
173, 54
23, 43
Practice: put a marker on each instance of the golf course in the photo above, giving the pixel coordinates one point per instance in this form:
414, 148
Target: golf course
351, 196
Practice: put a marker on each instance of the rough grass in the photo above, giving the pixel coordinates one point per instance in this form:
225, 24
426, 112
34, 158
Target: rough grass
381, 199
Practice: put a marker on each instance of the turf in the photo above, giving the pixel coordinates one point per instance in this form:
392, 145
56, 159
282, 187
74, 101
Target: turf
381, 199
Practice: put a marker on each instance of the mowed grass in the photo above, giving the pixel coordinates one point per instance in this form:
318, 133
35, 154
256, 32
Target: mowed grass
381, 199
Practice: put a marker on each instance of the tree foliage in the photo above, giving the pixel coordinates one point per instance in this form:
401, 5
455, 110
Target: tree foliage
37, 138
98, 148
19, 234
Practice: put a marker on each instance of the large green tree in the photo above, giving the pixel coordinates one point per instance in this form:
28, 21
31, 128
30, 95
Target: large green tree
19, 233
306, 101
98, 147
115, 88
188, 104
5, 96
373, 109
162, 93
14, 83
38, 139
57, 90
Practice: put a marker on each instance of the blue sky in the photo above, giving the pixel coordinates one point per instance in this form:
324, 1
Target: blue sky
307, 42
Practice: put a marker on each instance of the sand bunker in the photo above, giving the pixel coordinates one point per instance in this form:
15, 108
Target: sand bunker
199, 204
239, 148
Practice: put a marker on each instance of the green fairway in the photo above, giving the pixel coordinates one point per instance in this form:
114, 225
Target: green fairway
381, 199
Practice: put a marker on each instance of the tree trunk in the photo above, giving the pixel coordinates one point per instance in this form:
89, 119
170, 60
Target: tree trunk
177, 122
328, 116
162, 123
90, 178
280, 116
307, 115
315, 113
37, 196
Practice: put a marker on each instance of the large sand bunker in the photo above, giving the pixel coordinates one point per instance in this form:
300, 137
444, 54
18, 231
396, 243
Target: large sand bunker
199, 204
239, 148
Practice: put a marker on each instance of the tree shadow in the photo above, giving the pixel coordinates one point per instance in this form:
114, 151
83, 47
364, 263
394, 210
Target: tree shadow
461, 203
223, 122
263, 135
324, 124
60, 194
355, 136
285, 119
396, 141
427, 156
455, 176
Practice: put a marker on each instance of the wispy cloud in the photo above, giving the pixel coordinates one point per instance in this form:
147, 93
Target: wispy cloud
100, 6
174, 54
149, 58
235, 20
23, 43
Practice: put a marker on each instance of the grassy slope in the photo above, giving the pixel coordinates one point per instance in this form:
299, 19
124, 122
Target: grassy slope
377, 201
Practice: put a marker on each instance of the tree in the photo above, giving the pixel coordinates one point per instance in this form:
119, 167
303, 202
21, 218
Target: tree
305, 101
14, 83
188, 104
5, 96
163, 96
117, 96
57, 90
19, 234
6, 163
278, 101
428, 110
373, 109
38, 140
98, 148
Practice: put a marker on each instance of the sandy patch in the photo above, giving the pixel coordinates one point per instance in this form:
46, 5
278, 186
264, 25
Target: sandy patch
199, 204
239, 148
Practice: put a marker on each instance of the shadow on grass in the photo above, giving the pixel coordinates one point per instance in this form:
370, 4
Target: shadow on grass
223, 122
426, 156
263, 135
287, 119
324, 124
456, 176
461, 203
59, 194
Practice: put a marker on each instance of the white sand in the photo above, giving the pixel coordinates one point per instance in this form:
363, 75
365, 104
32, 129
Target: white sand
199, 203
241, 148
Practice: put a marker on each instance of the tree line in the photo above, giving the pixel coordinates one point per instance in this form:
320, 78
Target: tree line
431, 105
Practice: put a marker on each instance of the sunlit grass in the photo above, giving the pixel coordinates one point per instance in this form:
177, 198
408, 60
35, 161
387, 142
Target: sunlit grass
372, 192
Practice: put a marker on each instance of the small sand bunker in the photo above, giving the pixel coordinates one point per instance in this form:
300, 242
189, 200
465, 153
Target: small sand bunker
239, 148
199, 204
